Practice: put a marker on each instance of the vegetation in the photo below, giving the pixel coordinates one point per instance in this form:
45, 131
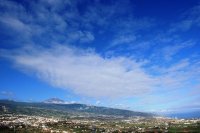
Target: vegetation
65, 110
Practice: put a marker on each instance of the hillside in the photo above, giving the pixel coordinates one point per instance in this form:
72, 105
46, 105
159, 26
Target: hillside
65, 110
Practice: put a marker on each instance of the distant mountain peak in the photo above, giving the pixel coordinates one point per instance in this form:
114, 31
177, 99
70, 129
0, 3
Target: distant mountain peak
54, 101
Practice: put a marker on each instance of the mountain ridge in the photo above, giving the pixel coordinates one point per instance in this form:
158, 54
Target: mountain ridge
73, 109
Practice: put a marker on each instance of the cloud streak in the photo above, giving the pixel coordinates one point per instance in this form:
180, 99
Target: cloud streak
89, 74
86, 73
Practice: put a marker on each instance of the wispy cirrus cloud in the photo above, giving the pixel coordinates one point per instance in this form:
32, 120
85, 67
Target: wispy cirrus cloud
123, 39
45, 20
171, 50
188, 19
89, 74
86, 73
65, 22
7, 94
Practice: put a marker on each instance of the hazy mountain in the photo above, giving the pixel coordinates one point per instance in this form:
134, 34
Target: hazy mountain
54, 100
65, 110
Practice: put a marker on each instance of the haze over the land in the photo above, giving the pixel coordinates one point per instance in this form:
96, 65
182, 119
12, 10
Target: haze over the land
139, 55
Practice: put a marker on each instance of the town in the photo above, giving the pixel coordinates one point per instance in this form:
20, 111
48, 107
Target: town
24, 123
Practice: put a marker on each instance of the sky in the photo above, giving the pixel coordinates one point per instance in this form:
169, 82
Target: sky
139, 55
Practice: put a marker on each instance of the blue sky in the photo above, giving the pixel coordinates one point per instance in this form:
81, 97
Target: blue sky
139, 54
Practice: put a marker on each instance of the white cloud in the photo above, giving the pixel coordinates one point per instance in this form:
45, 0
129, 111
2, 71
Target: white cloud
98, 102
6, 93
86, 73
123, 39
15, 24
81, 36
188, 19
171, 50
44, 20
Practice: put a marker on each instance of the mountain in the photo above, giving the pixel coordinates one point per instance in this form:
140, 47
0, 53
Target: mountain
65, 110
54, 101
